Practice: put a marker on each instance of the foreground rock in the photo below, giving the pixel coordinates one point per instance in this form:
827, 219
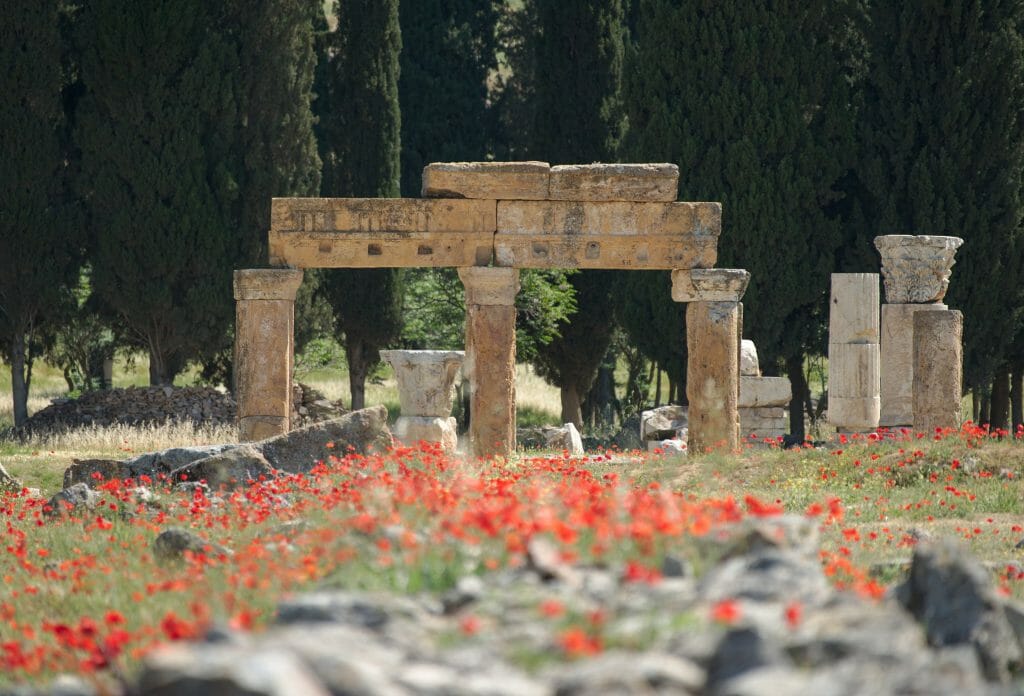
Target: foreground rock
763, 619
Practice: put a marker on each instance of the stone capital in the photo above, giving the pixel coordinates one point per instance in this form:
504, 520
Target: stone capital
916, 268
709, 284
486, 285
267, 284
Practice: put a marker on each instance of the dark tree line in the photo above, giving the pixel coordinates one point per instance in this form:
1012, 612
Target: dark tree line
142, 143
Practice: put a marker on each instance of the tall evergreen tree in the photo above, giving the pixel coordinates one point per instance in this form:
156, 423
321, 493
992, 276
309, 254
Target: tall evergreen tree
943, 139
359, 146
194, 115
750, 101
574, 60
40, 242
448, 53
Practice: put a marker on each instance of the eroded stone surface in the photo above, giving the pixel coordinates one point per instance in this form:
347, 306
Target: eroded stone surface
764, 391
916, 268
712, 374
486, 180
749, 365
413, 429
853, 308
709, 284
938, 369
425, 379
614, 182
897, 361
853, 414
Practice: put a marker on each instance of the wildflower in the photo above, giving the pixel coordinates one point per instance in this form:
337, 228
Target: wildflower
726, 611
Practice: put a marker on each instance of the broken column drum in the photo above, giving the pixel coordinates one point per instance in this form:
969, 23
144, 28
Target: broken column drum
916, 271
853, 353
938, 370
264, 330
425, 391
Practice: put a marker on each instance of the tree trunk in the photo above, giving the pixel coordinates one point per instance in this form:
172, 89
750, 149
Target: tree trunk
986, 410
657, 389
1001, 398
801, 395
163, 367
358, 370
571, 412
976, 405
1017, 394
21, 366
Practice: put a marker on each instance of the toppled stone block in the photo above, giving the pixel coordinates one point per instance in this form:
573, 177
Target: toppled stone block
232, 467
663, 423
362, 431
71, 499
614, 182
672, 446
565, 438
756, 392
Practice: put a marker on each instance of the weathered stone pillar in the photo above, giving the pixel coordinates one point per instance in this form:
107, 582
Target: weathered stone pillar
491, 358
916, 271
938, 370
853, 352
713, 324
264, 337
425, 380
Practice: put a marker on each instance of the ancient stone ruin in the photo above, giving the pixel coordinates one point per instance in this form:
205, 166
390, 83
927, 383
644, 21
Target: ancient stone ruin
853, 352
426, 379
763, 400
489, 219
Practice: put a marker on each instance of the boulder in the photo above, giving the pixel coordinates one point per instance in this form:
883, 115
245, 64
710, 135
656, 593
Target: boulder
95, 471
171, 544
8, 482
362, 432
71, 499
664, 423
628, 437
228, 468
565, 438
749, 366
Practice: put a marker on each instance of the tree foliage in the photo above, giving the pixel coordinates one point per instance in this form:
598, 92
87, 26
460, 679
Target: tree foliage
40, 241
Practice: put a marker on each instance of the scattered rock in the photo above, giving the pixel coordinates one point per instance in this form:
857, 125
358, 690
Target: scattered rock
231, 467
361, 431
625, 673
8, 482
94, 471
628, 437
664, 423
71, 499
171, 544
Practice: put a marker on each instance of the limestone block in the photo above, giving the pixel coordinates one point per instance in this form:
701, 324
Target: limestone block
761, 420
662, 423
425, 379
625, 235
853, 308
614, 182
916, 268
489, 285
709, 284
764, 391
565, 438
897, 361
938, 369
266, 284
381, 232
712, 374
412, 429
508, 181
853, 414
853, 369
668, 447
749, 366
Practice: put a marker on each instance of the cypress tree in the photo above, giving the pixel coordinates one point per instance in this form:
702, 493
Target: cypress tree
359, 146
194, 115
943, 151
751, 102
40, 241
448, 52
576, 68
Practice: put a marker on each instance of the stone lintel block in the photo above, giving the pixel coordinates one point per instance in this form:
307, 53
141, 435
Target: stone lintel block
487, 180
267, 283
709, 284
897, 361
764, 391
412, 429
490, 285
916, 268
607, 234
854, 414
938, 369
749, 365
853, 308
614, 182
853, 369
381, 232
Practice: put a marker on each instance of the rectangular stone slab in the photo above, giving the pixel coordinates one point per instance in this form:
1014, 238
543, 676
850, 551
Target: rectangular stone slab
758, 392
624, 235
614, 182
487, 180
380, 232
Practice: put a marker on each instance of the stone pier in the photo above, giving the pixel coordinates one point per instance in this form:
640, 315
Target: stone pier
916, 271
425, 381
938, 370
491, 358
264, 335
853, 353
713, 324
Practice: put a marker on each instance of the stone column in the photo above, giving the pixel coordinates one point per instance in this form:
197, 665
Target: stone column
491, 358
916, 271
425, 380
713, 316
938, 370
853, 353
264, 337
